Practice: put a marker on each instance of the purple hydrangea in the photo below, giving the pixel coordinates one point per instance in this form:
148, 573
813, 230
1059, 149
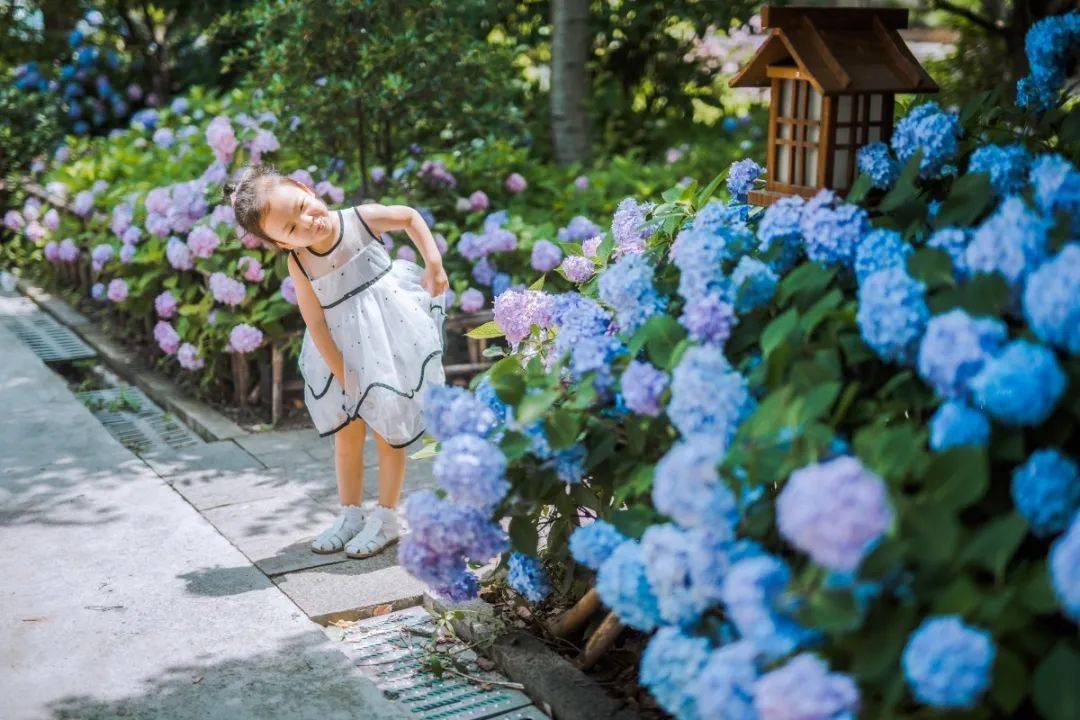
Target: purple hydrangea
581, 182
51, 220
189, 357
97, 291
68, 251
473, 471
876, 162
577, 268
244, 338
117, 290
288, 291
687, 488
1007, 166
526, 576
121, 218
579, 229
222, 139
804, 689
954, 349
166, 337
831, 229
755, 283
131, 236
834, 511
880, 249
1020, 386
670, 664
709, 319
14, 220
622, 586
642, 385
515, 183
708, 396
251, 268
594, 543
932, 130
1046, 490
517, 311
443, 534
478, 201
947, 664
127, 253
83, 203
165, 304
591, 246
484, 272
627, 286
1064, 565
700, 254
546, 256
955, 424
463, 588
227, 290
1051, 300
629, 227
1012, 242
472, 300
740, 178
451, 411
724, 689
101, 255
203, 242
892, 314
51, 251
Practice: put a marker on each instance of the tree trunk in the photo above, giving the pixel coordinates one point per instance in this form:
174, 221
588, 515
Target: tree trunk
361, 143
569, 84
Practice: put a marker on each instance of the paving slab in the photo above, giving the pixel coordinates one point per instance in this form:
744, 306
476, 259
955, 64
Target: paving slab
209, 489
352, 589
120, 600
206, 458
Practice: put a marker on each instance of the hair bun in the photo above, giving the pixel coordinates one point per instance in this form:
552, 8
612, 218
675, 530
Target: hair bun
227, 190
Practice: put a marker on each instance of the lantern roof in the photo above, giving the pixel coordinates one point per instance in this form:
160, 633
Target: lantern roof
839, 50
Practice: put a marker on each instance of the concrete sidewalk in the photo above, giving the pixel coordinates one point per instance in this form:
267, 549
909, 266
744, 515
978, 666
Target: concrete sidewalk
119, 598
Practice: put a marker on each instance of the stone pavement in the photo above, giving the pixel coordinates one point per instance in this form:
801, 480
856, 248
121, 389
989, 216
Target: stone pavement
121, 597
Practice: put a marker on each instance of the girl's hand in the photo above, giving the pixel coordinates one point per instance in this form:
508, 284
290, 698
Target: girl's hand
435, 280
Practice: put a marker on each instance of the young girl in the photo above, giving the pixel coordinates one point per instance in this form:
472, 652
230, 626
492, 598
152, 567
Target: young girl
373, 341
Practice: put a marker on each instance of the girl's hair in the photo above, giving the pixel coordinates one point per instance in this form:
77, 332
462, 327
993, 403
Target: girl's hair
247, 195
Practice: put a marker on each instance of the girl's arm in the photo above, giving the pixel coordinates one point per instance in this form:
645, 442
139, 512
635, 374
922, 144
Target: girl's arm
315, 319
387, 218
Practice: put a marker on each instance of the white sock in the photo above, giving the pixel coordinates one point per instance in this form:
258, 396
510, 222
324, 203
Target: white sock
349, 521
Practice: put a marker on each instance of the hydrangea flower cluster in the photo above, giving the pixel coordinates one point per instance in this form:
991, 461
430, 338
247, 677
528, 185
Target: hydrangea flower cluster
68, 251
117, 290
1007, 166
451, 411
577, 268
627, 286
516, 183
954, 242
516, 311
831, 229
892, 314
244, 338
754, 596
221, 138
579, 229
1050, 44
545, 256
880, 249
165, 305
708, 396
1051, 300
472, 300
709, 319
227, 290
434, 174
594, 543
932, 130
687, 487
1046, 490
526, 576
472, 470
1012, 242
100, 256
1055, 186
642, 386
251, 269
779, 234
203, 241
166, 337
876, 162
804, 688
189, 358
740, 178
622, 586
947, 663
955, 424
1020, 386
629, 227
755, 283
670, 664
954, 349
288, 291
1064, 565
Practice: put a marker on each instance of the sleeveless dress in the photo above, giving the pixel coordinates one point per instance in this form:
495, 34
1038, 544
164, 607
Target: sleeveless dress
388, 328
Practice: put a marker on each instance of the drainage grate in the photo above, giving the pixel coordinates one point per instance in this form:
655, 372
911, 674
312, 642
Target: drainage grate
387, 649
49, 340
134, 420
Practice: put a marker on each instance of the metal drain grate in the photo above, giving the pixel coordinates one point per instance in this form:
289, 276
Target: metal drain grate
133, 419
48, 339
382, 648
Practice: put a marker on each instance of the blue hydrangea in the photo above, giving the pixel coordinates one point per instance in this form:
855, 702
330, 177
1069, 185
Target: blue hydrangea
755, 283
669, 554
484, 271
947, 664
1055, 184
594, 543
526, 576
1021, 386
892, 314
545, 256
780, 240
495, 220
577, 318
579, 229
463, 588
642, 387
669, 666
708, 396
623, 587
687, 487
803, 688
450, 411
538, 442
932, 130
835, 512
741, 177
753, 594
473, 471
954, 349
876, 162
725, 687
443, 534
569, 464
955, 424
831, 229
1064, 562
500, 283
1007, 166
629, 227
1012, 241
708, 318
1050, 45
1046, 490
880, 249
485, 393
627, 286
700, 254
953, 241
1052, 300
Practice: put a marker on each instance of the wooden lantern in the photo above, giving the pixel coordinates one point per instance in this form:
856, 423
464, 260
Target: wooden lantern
833, 74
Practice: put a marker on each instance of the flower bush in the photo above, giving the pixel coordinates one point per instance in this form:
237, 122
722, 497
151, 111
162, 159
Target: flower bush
822, 451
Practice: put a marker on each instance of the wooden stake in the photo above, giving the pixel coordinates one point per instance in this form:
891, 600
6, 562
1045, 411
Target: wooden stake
601, 641
277, 367
571, 620
240, 379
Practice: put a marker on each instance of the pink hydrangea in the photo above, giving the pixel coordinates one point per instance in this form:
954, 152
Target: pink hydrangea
515, 183
221, 138
472, 300
51, 219
189, 358
581, 182
303, 176
226, 290
158, 225
52, 251
223, 215
158, 201
263, 142
31, 209
590, 246
577, 269
166, 336
478, 201
288, 290
179, 255
14, 220
406, 253
165, 304
244, 338
69, 251
251, 268
35, 231
117, 291
516, 311
203, 242
327, 189
250, 241
463, 205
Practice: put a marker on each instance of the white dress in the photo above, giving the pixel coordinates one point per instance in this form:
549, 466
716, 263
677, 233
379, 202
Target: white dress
388, 328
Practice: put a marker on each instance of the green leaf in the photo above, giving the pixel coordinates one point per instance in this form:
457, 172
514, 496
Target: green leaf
633, 521
958, 477
523, 534
659, 336
833, 611
932, 266
562, 427
1010, 680
993, 544
488, 330
708, 190
862, 185
904, 191
570, 248
807, 278
539, 284
1055, 690
815, 403
934, 534
639, 483
967, 200
534, 404
777, 331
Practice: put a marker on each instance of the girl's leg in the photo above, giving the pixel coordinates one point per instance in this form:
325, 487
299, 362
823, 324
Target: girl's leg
391, 472
381, 527
349, 461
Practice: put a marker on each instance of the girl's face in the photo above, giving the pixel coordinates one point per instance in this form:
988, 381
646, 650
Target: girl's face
295, 217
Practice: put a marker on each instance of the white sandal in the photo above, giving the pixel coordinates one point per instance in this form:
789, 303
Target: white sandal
333, 538
380, 531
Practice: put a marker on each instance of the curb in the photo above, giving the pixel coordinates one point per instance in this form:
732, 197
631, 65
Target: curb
208, 423
549, 679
